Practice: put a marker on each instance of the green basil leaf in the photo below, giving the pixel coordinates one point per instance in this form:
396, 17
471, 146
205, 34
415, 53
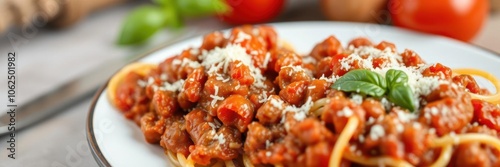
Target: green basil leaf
141, 24
201, 7
395, 77
362, 81
401, 95
361, 87
172, 17
164, 2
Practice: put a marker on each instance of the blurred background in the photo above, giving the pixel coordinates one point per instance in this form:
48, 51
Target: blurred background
57, 41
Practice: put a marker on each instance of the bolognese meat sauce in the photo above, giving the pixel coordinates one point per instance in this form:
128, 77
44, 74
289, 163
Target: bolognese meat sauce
243, 93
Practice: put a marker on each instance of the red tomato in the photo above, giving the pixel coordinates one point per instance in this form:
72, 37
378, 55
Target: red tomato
459, 19
252, 11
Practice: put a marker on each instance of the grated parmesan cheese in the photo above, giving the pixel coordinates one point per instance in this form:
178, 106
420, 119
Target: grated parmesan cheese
163, 76
266, 59
215, 97
219, 59
255, 31
345, 112
241, 36
220, 138
300, 112
194, 51
176, 86
142, 83
376, 132
356, 98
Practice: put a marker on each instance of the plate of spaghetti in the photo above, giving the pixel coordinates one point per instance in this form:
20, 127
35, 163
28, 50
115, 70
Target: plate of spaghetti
302, 94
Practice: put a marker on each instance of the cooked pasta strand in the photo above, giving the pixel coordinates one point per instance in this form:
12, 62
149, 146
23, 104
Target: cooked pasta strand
229, 163
247, 162
444, 157
466, 138
375, 161
495, 98
317, 105
173, 158
343, 141
140, 68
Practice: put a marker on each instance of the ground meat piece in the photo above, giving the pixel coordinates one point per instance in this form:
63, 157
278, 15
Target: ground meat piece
213, 90
487, 114
331, 46
447, 115
295, 93
493, 153
236, 111
256, 140
338, 112
211, 139
288, 59
152, 127
323, 67
390, 145
131, 99
191, 90
241, 73
317, 88
384, 44
283, 152
411, 59
416, 141
470, 154
268, 113
212, 40
438, 70
360, 41
165, 103
468, 82
288, 75
319, 154
373, 108
175, 137
448, 109
198, 123
310, 131
338, 68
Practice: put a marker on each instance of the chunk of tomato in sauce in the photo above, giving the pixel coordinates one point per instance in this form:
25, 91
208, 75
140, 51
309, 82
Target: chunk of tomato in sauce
487, 114
336, 66
438, 70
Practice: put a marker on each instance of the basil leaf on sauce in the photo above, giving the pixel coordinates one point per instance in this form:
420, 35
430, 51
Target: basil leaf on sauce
362, 81
394, 77
401, 95
394, 86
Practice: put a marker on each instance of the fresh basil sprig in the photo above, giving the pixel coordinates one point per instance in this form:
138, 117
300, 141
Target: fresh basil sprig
399, 91
394, 86
362, 81
394, 77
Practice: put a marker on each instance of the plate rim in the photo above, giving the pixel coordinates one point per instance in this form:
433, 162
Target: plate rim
92, 141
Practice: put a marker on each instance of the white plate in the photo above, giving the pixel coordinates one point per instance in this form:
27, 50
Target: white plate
116, 141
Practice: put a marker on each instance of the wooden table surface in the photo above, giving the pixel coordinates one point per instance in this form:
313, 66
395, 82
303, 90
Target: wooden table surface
48, 58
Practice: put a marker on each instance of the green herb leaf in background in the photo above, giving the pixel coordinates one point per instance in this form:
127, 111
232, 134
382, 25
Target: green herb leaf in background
394, 77
141, 24
201, 7
401, 95
362, 81
172, 17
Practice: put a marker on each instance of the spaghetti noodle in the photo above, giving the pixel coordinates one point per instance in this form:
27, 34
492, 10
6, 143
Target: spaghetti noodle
495, 98
248, 99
